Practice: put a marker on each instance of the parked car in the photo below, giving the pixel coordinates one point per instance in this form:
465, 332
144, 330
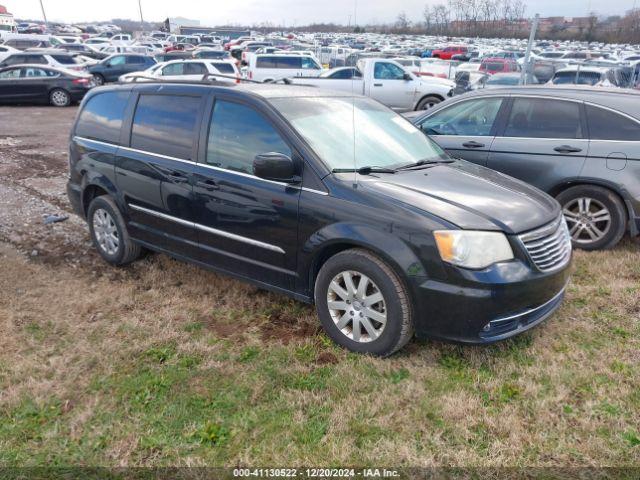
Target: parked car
341, 73
500, 80
269, 67
81, 48
189, 70
24, 43
448, 52
498, 65
254, 182
580, 145
585, 75
167, 57
5, 51
52, 57
109, 69
42, 84
389, 83
212, 54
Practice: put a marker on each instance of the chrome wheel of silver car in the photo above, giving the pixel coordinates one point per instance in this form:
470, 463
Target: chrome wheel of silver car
588, 219
106, 232
357, 306
60, 98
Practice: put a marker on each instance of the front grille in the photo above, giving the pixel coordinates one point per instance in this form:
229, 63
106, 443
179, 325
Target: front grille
549, 247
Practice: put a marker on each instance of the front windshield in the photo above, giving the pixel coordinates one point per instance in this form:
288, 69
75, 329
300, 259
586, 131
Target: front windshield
357, 132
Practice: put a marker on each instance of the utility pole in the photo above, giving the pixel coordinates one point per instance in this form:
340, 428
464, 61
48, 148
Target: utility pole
355, 13
141, 19
46, 23
524, 76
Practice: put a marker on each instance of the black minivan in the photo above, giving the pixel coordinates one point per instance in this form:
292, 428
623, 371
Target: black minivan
330, 198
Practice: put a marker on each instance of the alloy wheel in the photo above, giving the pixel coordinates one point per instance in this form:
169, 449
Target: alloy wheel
105, 231
59, 98
588, 219
357, 306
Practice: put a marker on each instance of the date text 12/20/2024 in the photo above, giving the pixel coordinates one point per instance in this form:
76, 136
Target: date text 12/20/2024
316, 473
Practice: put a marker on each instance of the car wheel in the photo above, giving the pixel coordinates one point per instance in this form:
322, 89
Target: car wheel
60, 98
362, 303
99, 79
595, 216
109, 232
428, 102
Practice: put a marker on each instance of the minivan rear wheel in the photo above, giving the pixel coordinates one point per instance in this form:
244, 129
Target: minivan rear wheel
109, 232
595, 216
362, 303
60, 98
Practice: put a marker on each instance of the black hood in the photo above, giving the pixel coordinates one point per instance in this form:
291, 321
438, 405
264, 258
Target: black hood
469, 196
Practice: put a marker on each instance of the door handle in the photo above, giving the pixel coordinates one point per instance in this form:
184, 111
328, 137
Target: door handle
473, 144
208, 185
178, 177
377, 84
567, 149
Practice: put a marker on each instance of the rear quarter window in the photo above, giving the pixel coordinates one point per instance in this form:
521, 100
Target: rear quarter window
101, 117
608, 125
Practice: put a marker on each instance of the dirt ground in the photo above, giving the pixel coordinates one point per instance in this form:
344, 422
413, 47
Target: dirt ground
165, 364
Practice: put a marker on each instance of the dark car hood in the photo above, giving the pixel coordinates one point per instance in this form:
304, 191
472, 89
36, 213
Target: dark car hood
469, 196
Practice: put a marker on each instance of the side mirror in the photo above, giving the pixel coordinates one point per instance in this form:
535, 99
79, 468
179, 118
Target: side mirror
275, 166
407, 76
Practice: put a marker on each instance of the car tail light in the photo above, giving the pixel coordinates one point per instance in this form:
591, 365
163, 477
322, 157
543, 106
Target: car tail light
250, 75
81, 81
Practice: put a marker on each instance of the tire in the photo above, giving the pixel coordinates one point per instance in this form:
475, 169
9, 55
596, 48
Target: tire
125, 251
428, 102
596, 217
59, 98
99, 79
385, 338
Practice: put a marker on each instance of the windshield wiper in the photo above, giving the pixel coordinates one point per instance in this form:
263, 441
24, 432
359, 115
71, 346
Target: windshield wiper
364, 170
426, 162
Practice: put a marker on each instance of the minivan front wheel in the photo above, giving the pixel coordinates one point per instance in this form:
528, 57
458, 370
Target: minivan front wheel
60, 98
109, 232
99, 79
595, 216
362, 303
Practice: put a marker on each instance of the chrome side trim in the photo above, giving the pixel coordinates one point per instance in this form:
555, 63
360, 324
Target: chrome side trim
204, 165
531, 310
204, 228
90, 140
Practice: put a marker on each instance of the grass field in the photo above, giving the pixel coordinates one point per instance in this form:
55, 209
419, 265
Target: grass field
166, 364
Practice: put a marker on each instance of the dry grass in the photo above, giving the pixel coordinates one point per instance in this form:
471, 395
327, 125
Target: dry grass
166, 364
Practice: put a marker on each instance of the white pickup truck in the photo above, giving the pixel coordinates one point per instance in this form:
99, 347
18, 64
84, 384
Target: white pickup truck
387, 82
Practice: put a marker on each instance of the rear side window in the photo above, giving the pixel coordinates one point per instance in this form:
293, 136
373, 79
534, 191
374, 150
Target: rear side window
66, 59
135, 60
166, 124
195, 69
226, 68
266, 62
542, 118
607, 125
237, 134
292, 62
101, 117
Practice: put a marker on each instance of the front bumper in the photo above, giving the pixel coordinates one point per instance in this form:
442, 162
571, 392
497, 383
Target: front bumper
478, 307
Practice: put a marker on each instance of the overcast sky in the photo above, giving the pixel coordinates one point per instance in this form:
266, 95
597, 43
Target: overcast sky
292, 12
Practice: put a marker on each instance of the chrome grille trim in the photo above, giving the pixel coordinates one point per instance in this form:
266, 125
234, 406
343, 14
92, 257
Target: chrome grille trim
549, 247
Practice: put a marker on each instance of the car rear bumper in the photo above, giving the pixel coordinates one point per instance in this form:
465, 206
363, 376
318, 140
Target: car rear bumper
75, 197
488, 306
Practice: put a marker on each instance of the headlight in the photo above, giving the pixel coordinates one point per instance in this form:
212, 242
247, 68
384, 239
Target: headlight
471, 249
